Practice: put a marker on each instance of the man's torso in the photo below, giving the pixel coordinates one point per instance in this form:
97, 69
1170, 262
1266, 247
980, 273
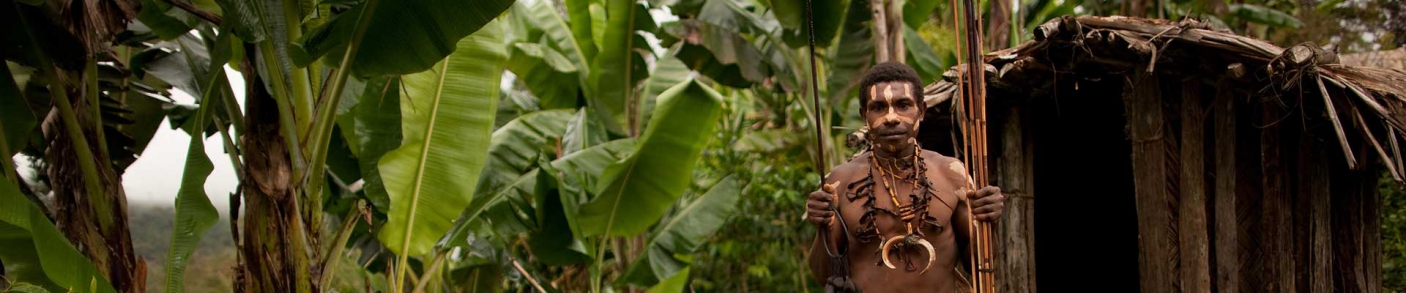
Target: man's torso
866, 266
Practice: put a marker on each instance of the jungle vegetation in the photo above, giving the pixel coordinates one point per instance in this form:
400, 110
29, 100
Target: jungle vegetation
487, 145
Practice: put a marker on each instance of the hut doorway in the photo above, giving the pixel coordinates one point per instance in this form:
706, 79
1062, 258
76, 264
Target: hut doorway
1086, 215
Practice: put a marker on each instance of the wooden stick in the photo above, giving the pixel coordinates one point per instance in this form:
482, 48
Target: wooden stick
530, 279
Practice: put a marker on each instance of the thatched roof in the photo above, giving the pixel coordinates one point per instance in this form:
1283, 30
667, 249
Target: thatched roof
1367, 104
1389, 59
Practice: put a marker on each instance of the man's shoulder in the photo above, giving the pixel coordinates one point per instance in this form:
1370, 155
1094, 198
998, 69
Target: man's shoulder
949, 167
857, 165
938, 158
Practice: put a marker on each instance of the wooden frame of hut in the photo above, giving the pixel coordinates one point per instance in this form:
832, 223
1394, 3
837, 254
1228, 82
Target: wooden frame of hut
1174, 157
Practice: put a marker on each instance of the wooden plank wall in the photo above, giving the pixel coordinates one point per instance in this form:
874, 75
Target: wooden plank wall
1157, 253
1276, 225
1226, 231
1016, 230
1195, 260
1262, 206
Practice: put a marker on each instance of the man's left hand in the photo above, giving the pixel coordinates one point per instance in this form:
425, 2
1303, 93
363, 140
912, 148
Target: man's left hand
987, 203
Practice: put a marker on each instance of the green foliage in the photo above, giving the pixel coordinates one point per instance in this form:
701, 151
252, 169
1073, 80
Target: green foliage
857, 48
618, 68
403, 37
540, 186
684, 232
36, 252
675, 284
194, 213
635, 192
377, 129
554, 241
925, 60
19, 121
1264, 15
543, 69
791, 15
446, 117
1393, 205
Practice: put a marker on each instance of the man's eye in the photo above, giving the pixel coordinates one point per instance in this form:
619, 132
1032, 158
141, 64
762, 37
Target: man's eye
876, 107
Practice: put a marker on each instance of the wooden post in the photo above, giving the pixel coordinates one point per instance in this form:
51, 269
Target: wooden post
1350, 189
1157, 245
1314, 188
1277, 242
1227, 229
1016, 243
1372, 235
1195, 260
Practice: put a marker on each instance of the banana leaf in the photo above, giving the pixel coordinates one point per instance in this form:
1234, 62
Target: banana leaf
851, 58
36, 252
194, 212
1264, 15
635, 192
684, 232
404, 36
377, 128
447, 118
19, 122
829, 15
577, 169
547, 74
618, 68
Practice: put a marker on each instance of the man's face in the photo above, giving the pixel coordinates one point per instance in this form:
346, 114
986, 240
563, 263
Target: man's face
892, 114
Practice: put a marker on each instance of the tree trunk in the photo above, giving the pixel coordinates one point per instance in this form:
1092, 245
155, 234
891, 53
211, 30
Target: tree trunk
109, 245
881, 31
999, 33
275, 255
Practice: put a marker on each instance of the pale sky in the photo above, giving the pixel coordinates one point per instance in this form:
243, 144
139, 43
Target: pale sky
155, 177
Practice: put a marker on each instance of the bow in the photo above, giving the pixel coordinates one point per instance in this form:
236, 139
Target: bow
839, 280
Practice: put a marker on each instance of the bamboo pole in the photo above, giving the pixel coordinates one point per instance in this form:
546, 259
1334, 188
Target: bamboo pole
975, 97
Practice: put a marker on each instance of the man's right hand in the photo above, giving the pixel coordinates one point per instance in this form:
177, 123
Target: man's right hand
818, 209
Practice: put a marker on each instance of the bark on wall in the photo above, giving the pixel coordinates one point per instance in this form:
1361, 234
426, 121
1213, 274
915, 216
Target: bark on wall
1156, 243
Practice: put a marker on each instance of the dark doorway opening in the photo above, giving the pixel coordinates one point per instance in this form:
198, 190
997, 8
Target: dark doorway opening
1085, 209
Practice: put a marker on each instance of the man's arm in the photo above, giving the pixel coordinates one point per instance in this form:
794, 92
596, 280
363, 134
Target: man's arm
961, 228
820, 213
818, 259
987, 203
956, 174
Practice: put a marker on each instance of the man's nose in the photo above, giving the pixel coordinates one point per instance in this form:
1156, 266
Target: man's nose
890, 121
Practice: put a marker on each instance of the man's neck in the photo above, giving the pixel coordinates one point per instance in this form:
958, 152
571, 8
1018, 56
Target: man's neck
898, 153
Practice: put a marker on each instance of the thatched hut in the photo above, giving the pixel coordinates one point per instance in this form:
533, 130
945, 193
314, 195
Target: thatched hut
1171, 156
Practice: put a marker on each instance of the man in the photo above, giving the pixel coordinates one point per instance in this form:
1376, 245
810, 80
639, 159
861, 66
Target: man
903, 207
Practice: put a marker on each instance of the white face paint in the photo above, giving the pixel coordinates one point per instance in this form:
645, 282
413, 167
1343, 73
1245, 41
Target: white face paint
888, 96
957, 167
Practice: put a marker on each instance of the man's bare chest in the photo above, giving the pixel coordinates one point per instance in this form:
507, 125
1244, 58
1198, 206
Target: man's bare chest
881, 204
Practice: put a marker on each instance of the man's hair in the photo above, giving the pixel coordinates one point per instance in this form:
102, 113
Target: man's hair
889, 72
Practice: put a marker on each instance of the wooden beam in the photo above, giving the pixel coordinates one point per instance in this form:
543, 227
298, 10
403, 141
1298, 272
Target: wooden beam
1195, 260
1276, 223
1226, 230
1156, 240
1314, 189
1017, 248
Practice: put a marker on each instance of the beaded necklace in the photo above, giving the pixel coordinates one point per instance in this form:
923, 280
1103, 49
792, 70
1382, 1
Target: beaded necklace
914, 216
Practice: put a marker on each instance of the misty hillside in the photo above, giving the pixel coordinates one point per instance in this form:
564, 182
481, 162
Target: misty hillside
210, 267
